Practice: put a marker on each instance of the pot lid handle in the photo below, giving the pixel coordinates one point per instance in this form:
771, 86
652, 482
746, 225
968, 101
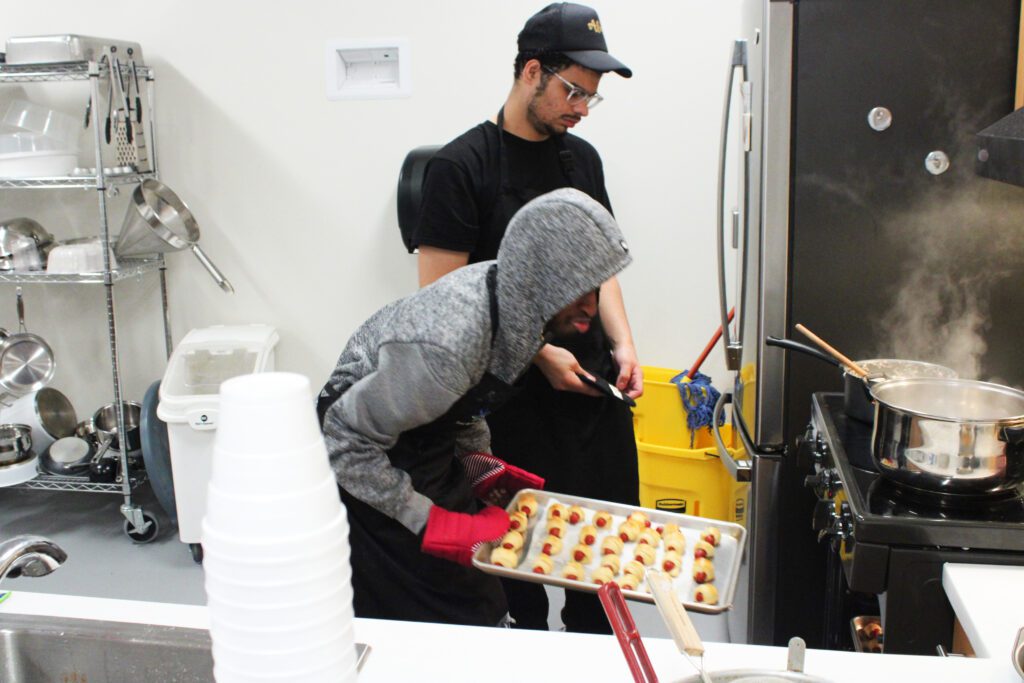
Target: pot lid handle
797, 650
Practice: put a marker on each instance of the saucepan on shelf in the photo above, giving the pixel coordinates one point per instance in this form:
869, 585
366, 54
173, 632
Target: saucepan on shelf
104, 423
158, 222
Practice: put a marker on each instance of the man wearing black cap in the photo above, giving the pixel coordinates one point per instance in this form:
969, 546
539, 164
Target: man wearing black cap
580, 441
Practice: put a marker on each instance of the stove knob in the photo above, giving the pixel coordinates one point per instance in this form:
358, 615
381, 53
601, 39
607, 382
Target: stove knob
825, 482
823, 518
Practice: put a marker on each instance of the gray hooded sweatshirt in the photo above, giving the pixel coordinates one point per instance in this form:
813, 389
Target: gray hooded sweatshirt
414, 358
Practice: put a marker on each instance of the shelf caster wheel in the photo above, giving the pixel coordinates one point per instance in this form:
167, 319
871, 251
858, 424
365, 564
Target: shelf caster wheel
150, 531
197, 552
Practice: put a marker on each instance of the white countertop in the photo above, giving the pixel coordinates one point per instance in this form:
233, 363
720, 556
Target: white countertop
457, 654
989, 602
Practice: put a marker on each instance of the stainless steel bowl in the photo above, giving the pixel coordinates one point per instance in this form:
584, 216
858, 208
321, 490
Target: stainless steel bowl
15, 444
949, 435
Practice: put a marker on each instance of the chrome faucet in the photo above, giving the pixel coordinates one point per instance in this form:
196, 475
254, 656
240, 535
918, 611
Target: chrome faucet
29, 556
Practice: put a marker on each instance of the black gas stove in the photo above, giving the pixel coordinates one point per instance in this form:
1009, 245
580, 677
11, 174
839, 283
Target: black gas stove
891, 540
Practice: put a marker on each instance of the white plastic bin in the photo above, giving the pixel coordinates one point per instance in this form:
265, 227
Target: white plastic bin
190, 400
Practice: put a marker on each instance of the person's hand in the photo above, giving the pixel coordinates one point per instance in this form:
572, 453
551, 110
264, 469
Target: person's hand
455, 536
560, 367
631, 376
496, 481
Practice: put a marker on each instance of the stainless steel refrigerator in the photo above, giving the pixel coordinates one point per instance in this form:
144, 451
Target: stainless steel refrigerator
849, 132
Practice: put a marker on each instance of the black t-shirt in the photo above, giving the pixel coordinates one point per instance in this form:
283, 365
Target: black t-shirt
462, 185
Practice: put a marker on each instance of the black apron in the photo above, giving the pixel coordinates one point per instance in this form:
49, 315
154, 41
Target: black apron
582, 445
391, 577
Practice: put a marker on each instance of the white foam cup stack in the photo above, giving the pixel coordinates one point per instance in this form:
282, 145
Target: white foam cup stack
275, 540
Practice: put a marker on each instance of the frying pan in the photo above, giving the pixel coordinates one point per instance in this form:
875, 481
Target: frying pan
157, 222
26, 360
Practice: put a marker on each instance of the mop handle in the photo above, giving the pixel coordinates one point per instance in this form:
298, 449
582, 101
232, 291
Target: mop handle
707, 349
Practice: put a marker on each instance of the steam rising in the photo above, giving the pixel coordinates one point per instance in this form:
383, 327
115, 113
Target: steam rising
962, 243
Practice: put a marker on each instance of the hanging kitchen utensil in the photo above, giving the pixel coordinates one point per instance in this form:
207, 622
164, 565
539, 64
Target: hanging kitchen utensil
26, 360
158, 222
122, 117
847, 363
622, 624
135, 80
677, 620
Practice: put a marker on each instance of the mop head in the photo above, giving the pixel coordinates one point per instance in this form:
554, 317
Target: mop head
699, 399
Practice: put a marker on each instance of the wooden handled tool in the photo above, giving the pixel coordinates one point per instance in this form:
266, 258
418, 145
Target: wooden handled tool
676, 619
847, 363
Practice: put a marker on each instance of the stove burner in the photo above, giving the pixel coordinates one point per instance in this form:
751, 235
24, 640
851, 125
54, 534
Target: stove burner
895, 500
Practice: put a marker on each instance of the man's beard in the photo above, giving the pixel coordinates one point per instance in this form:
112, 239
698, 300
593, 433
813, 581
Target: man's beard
534, 120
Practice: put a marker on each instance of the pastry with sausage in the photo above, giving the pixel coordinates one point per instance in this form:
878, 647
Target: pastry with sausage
675, 543
552, 545
518, 520
627, 582
582, 553
703, 549
602, 520
503, 557
527, 504
611, 545
558, 510
576, 514
556, 527
703, 570
644, 553
513, 541
543, 564
588, 534
712, 535
649, 537
636, 568
602, 575
705, 593
574, 571
672, 563
640, 519
628, 531
613, 562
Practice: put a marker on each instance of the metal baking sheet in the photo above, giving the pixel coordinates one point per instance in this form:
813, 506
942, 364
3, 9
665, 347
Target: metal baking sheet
728, 555
66, 48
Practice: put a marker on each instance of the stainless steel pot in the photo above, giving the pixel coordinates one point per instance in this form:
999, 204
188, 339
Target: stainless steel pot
104, 422
15, 444
949, 435
857, 391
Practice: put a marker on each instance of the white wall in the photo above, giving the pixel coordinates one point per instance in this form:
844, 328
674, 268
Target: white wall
295, 194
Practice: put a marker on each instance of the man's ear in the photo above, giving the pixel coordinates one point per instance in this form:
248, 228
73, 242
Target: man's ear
532, 72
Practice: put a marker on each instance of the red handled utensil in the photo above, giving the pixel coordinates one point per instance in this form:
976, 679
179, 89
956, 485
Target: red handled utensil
622, 623
711, 344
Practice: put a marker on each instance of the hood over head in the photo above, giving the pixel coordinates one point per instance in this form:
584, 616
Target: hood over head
556, 248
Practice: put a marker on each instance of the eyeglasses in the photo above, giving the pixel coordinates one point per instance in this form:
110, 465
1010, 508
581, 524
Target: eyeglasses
576, 94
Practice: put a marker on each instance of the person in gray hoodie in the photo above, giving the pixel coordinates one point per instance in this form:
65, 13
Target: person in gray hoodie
402, 412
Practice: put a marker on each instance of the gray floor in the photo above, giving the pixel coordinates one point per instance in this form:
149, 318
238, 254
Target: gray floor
104, 562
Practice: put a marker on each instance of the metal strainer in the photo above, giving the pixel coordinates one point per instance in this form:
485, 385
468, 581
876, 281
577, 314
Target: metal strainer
158, 222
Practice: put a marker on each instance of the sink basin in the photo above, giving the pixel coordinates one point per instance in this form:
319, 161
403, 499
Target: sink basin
43, 649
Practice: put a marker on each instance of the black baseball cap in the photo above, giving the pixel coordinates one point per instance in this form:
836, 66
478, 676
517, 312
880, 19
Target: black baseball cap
575, 31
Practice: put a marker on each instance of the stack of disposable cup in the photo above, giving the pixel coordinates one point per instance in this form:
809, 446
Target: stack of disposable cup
275, 540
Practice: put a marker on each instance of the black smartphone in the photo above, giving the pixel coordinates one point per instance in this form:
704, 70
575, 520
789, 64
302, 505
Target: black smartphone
604, 387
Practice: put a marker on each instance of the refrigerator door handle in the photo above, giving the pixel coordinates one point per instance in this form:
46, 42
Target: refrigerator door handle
738, 61
739, 469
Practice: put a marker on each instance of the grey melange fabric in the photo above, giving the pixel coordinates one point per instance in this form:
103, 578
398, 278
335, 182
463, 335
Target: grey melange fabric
414, 358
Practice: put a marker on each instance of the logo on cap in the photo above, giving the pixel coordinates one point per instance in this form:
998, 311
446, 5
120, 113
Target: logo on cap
594, 25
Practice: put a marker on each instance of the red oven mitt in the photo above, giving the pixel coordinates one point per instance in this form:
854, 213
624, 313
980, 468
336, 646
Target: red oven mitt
496, 481
455, 536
